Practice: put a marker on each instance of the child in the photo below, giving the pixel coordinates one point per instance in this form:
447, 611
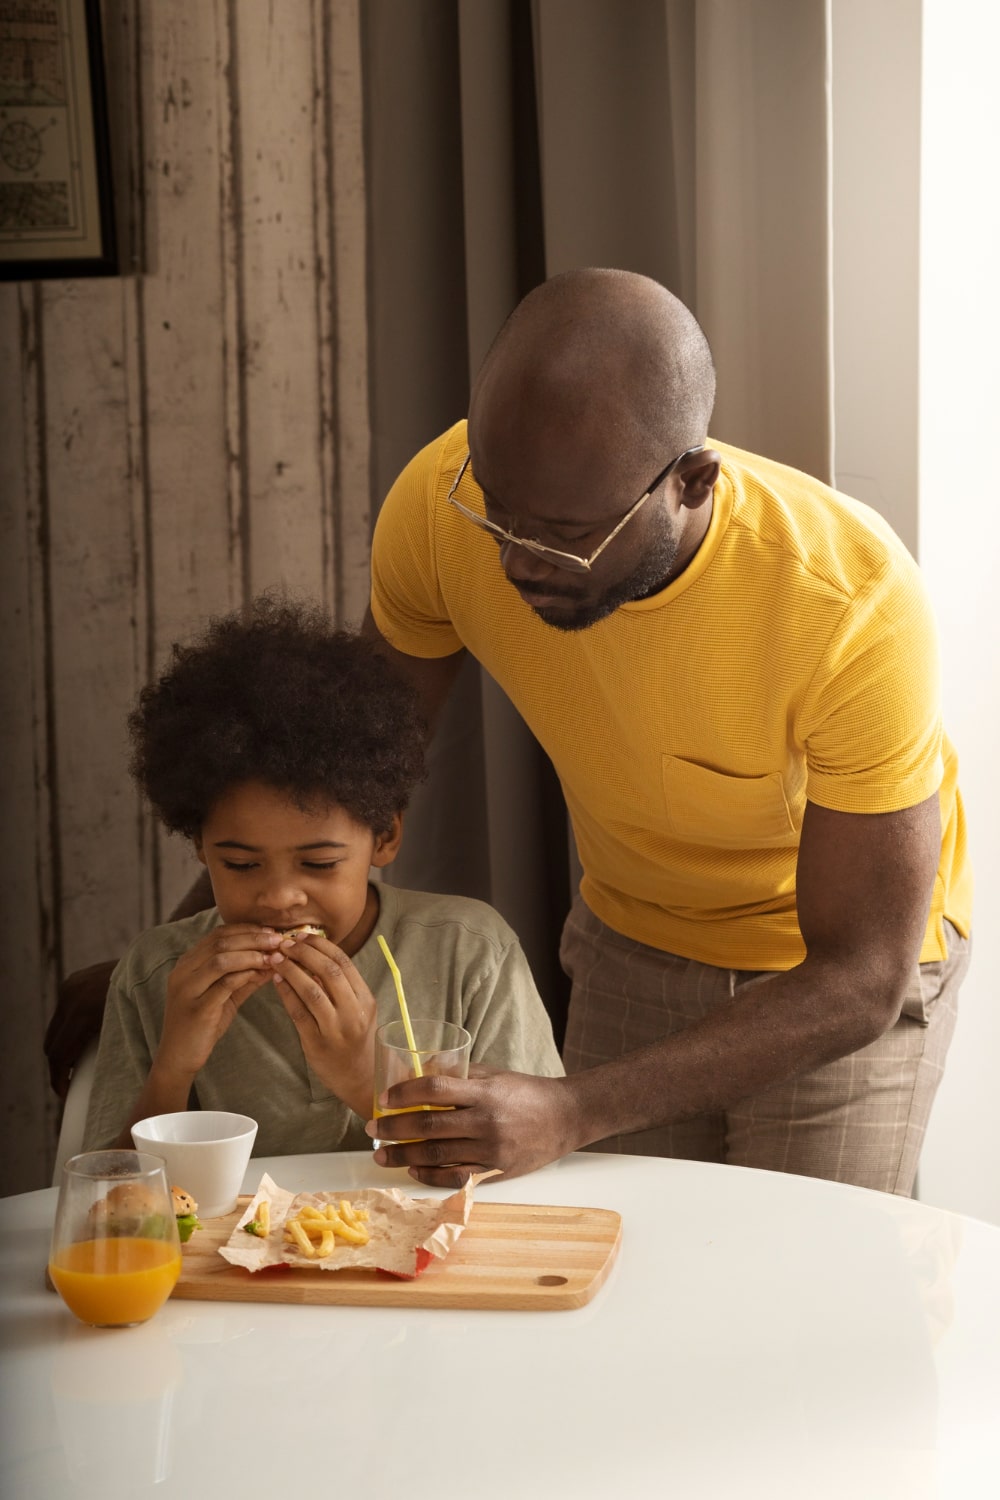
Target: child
286, 752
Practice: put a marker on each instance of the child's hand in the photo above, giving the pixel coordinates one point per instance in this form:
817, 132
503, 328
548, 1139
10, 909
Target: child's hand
207, 987
334, 1013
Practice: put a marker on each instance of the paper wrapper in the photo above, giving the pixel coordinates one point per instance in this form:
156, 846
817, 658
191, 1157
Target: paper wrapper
400, 1227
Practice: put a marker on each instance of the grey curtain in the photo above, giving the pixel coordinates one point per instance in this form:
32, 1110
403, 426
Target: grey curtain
507, 140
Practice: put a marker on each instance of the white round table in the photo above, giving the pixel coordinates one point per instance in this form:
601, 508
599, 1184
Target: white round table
761, 1337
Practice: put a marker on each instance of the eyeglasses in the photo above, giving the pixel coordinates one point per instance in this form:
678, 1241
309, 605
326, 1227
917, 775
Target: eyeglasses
568, 560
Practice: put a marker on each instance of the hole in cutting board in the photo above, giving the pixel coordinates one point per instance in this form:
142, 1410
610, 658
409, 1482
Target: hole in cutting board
551, 1280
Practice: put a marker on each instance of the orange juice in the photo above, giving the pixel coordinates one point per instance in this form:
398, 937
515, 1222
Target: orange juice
113, 1281
379, 1112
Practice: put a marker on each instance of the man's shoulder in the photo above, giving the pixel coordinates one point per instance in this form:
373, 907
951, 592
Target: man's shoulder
836, 539
160, 947
444, 452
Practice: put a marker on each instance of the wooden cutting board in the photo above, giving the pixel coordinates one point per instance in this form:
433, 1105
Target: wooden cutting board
510, 1255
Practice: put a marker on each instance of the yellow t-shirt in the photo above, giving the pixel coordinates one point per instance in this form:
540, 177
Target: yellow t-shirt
796, 657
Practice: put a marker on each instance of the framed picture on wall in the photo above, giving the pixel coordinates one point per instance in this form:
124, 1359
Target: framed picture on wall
56, 213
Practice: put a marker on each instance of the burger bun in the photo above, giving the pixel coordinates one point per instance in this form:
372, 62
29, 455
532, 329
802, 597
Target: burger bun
183, 1202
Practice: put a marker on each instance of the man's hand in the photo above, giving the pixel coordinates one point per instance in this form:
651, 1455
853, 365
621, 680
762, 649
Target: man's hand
508, 1120
334, 1012
206, 988
76, 1020
864, 886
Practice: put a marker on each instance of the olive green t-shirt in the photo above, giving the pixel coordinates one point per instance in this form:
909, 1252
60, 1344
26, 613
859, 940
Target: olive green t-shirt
459, 960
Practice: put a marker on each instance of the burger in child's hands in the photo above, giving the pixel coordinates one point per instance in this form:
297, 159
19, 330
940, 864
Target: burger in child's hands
186, 1210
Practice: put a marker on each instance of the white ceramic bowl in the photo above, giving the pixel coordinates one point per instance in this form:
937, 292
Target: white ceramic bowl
206, 1152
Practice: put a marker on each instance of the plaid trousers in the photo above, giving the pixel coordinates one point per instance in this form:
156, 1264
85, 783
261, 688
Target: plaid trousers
859, 1119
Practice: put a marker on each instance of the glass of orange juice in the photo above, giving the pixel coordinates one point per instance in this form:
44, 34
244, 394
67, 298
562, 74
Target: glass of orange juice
438, 1047
115, 1253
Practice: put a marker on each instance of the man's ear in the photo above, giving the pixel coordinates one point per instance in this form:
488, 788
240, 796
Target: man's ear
387, 844
700, 473
199, 849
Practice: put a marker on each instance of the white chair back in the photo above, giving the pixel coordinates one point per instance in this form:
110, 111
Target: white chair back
75, 1113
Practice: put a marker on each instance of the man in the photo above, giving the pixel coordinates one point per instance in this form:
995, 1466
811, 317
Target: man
734, 671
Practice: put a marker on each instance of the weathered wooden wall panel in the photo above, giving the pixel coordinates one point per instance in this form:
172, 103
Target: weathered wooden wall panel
174, 440
193, 519
92, 561
189, 363
279, 136
27, 875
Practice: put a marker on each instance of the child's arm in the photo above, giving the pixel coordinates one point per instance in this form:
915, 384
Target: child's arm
204, 992
81, 996
334, 1012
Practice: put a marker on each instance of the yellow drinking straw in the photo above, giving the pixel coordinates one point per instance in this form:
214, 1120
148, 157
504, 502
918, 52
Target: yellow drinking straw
397, 978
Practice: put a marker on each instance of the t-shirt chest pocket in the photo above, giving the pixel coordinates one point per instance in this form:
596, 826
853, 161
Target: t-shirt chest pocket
736, 812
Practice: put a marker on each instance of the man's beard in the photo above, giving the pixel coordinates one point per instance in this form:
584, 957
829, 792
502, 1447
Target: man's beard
652, 575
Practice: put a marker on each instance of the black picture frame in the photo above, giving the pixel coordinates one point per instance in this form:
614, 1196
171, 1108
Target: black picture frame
56, 201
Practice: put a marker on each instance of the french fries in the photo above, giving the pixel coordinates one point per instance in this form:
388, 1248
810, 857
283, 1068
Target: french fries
314, 1231
261, 1226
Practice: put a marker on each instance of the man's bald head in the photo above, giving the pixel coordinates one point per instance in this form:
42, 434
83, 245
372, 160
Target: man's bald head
598, 350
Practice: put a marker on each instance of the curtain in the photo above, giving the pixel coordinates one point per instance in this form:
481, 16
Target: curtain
508, 140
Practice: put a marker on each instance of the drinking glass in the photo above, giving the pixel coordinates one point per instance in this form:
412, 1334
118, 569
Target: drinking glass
115, 1253
438, 1047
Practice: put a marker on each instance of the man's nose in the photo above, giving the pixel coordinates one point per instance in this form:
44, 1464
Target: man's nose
522, 565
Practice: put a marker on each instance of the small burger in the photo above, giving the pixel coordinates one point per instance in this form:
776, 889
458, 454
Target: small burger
124, 1208
186, 1210
306, 930
130, 1208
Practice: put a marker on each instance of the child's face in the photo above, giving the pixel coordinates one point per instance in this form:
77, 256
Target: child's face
273, 863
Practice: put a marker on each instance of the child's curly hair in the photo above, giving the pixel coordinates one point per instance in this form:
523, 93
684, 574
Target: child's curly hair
277, 695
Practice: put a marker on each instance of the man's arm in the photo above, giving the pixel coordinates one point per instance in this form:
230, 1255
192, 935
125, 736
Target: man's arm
432, 676
864, 884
